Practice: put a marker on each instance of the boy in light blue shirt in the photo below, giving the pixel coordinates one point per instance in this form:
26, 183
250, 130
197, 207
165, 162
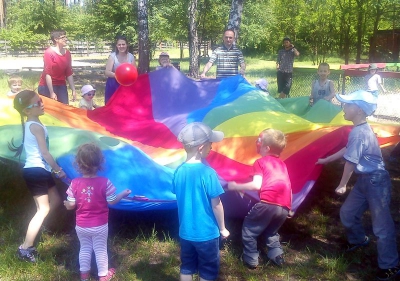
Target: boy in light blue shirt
200, 210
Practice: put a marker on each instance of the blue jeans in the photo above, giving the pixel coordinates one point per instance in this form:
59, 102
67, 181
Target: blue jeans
200, 256
263, 220
372, 191
60, 90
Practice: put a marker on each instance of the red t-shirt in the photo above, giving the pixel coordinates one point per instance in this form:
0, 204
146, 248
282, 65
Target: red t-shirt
275, 188
59, 67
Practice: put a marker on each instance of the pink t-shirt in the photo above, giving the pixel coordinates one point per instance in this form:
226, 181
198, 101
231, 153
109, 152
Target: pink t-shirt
275, 188
90, 196
59, 67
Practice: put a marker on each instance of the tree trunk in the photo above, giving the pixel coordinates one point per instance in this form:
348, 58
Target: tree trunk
235, 16
143, 37
2, 14
193, 40
360, 16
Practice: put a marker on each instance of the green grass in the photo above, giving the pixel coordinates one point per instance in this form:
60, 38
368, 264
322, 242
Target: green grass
144, 246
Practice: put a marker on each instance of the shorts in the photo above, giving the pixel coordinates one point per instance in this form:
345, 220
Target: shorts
38, 180
201, 257
60, 90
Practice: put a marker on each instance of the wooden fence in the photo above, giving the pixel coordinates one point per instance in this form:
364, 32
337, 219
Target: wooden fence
83, 48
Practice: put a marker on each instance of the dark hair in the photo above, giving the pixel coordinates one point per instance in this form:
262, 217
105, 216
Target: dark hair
55, 34
230, 29
287, 39
121, 37
21, 101
89, 158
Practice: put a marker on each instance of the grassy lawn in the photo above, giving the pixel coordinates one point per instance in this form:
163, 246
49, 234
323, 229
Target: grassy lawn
143, 246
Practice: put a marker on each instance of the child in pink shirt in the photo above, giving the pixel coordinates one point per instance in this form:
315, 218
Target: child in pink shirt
90, 195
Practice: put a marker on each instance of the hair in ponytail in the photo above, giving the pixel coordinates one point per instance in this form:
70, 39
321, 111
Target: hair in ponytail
21, 101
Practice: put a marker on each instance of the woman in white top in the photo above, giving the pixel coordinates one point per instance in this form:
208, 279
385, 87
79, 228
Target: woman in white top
121, 55
38, 168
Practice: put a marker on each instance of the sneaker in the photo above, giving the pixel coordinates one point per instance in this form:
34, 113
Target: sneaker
249, 266
85, 276
387, 274
352, 247
278, 260
28, 255
109, 275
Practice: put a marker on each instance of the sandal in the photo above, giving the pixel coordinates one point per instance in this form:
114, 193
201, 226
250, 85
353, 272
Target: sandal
85, 276
109, 275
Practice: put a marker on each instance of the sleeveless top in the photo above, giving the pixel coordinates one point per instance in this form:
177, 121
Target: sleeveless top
34, 158
131, 59
320, 91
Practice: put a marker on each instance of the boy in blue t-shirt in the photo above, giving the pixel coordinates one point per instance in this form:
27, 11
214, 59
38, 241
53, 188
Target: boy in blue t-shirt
200, 210
373, 187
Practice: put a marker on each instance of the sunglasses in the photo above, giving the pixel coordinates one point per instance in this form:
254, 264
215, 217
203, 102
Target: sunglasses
36, 104
91, 95
64, 37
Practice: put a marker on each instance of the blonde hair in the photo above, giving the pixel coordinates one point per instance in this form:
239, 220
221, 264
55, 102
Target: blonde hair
275, 139
14, 79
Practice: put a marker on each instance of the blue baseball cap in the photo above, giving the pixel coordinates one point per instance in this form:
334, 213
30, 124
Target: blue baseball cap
363, 99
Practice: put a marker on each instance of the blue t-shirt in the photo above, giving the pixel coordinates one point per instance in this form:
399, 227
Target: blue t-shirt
363, 150
195, 184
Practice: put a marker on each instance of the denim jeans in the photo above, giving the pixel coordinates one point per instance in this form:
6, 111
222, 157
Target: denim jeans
60, 90
263, 220
202, 257
372, 191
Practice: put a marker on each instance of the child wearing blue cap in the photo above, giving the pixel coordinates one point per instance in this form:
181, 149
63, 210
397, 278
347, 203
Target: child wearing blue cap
373, 187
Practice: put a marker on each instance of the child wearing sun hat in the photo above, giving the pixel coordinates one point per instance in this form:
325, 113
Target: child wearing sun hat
87, 102
262, 84
373, 187
164, 61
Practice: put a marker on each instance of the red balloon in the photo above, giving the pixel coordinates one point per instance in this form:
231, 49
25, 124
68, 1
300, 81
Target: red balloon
126, 74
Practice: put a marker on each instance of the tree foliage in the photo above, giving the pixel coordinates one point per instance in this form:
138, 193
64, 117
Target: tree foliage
319, 28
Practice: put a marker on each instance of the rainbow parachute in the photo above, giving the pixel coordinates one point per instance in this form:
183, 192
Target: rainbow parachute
137, 132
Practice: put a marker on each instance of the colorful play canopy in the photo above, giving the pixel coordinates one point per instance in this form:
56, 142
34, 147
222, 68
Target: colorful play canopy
137, 132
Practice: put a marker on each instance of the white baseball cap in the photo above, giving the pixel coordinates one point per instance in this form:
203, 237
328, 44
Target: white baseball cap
86, 89
197, 133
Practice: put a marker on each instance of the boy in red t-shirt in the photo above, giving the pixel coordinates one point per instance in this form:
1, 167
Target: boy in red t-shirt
272, 181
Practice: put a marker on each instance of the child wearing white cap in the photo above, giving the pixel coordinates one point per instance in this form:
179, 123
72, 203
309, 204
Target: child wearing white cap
164, 61
373, 187
87, 102
200, 210
373, 80
262, 84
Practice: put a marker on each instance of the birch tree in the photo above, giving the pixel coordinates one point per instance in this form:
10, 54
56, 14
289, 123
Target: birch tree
143, 37
2, 14
235, 16
193, 39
